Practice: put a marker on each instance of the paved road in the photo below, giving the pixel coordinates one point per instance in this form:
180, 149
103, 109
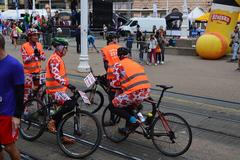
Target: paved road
215, 124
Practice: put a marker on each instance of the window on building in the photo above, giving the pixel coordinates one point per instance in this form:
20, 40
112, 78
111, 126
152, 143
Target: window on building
1, 1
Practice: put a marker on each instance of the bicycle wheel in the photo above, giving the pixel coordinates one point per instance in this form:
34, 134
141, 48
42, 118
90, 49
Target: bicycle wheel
84, 129
111, 124
173, 143
96, 98
33, 120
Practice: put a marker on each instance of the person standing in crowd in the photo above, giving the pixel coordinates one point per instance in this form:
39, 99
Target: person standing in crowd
129, 41
160, 36
14, 35
238, 69
143, 49
91, 41
11, 101
49, 33
104, 31
78, 38
152, 49
138, 35
235, 43
32, 55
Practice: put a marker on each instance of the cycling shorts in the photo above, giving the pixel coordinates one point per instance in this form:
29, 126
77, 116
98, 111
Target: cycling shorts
7, 134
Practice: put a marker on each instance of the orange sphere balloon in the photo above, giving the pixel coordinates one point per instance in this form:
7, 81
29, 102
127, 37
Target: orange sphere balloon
211, 46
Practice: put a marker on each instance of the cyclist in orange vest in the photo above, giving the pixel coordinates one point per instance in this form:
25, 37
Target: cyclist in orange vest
130, 77
32, 55
110, 57
57, 84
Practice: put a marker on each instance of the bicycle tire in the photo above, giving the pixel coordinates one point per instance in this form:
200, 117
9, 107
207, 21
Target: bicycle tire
33, 119
81, 135
117, 121
92, 108
177, 135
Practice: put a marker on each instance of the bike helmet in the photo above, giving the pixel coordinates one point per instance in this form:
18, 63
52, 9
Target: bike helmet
59, 41
122, 51
32, 31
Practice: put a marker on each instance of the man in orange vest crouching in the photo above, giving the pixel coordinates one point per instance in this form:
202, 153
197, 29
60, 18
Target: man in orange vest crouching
130, 77
110, 57
57, 84
32, 55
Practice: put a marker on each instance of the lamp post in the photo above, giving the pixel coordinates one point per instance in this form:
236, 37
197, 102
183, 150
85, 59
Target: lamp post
185, 27
167, 8
34, 6
155, 8
83, 64
16, 5
6, 5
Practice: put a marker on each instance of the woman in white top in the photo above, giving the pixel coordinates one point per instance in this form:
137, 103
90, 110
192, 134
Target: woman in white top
152, 49
14, 35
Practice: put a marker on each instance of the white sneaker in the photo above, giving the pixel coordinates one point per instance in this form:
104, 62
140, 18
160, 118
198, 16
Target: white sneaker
162, 62
155, 64
158, 62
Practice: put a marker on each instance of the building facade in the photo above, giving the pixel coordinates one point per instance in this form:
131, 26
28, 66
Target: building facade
128, 8
144, 8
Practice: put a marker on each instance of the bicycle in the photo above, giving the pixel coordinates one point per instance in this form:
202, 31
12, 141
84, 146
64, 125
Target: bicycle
164, 129
78, 125
95, 96
40, 91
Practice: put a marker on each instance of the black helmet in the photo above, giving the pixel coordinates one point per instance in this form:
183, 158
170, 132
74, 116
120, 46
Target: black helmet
110, 37
59, 41
122, 51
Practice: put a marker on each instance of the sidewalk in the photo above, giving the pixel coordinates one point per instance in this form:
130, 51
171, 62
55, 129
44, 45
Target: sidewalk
188, 74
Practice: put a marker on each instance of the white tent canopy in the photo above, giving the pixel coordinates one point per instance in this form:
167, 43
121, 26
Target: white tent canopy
195, 13
12, 14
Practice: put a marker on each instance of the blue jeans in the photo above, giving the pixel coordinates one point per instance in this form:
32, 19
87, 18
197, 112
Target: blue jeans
235, 47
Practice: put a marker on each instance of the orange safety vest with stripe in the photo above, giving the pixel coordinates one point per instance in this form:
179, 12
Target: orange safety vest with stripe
135, 78
110, 55
33, 66
52, 85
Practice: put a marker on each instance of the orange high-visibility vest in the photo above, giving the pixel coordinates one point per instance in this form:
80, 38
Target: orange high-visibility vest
33, 66
110, 55
52, 85
135, 78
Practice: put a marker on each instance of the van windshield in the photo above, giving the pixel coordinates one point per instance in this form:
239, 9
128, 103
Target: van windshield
130, 21
134, 23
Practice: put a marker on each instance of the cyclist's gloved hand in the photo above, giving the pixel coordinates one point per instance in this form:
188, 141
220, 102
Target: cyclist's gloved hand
71, 87
36, 52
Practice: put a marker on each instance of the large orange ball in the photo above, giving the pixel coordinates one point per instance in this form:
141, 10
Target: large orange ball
211, 46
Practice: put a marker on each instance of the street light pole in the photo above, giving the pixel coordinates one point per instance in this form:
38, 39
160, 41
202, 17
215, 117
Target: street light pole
185, 25
34, 6
16, 5
167, 8
83, 64
6, 5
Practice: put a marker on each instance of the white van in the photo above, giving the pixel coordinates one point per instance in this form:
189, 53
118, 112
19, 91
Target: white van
146, 24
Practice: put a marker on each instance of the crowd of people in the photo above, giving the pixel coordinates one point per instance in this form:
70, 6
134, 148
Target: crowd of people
152, 49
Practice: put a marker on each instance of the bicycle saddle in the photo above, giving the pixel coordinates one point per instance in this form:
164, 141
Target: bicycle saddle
164, 87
